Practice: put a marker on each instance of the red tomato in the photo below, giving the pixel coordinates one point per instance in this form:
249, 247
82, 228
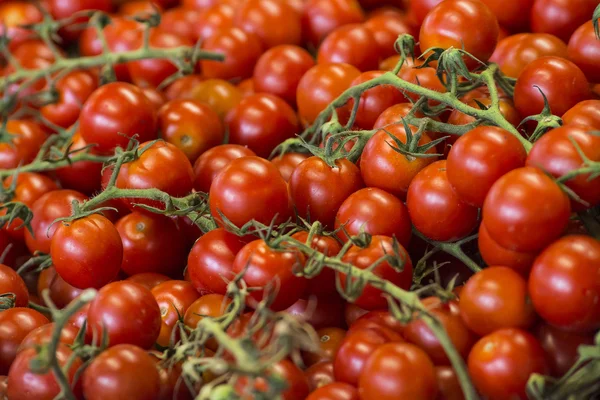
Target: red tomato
288, 162
386, 28
584, 51
173, 298
330, 340
394, 114
14, 15
324, 283
11, 282
584, 113
209, 305
213, 161
274, 22
513, 15
212, 19
25, 142
561, 347
425, 77
296, 382
181, 22
352, 44
420, 8
318, 375
83, 176
560, 17
183, 87
61, 293
61, 10
321, 17
219, 94
448, 384
335, 391
15, 325
494, 254
148, 279
42, 336
320, 311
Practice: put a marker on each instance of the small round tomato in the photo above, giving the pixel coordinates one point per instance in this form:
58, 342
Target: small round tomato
181, 22
261, 122
512, 14
448, 384
213, 19
584, 51
584, 113
393, 116
560, 17
494, 254
61, 10
293, 377
435, 209
61, 293
321, 17
318, 375
173, 298
113, 114
11, 282
330, 340
352, 44
274, 22
506, 106
324, 283
43, 335
420, 8
122, 370
127, 312
247, 87
15, 15
213, 161
279, 70
397, 271
148, 279
83, 176
272, 271
287, 163
219, 94
386, 28
15, 325
25, 141
209, 305
421, 76
553, 271
335, 391
249, 188
501, 363
561, 347
320, 311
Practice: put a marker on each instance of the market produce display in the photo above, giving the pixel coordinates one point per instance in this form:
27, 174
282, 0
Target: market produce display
300, 199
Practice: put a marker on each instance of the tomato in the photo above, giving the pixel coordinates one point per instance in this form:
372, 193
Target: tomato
563, 295
148, 279
324, 283
330, 340
11, 282
320, 85
462, 24
353, 353
151, 243
435, 209
43, 334
397, 272
61, 293
321, 17
425, 77
15, 325
273, 270
418, 333
335, 391
561, 81
65, 9
139, 8
155, 97
279, 70
181, 22
3, 385
584, 51
560, 17
247, 87
115, 112
241, 50
420, 8
83, 176
173, 298
501, 363
479, 158
24, 384
352, 44
191, 126
127, 312
320, 374
296, 382
274, 22
25, 142
448, 384
507, 109
584, 113
494, 254
12, 251
515, 52
183, 87
209, 305
561, 347
386, 28
287, 163
375, 100
172, 384
219, 94
14, 15
261, 122
249, 188
383, 318
213, 161
320, 311
513, 15
393, 115
212, 19
121, 371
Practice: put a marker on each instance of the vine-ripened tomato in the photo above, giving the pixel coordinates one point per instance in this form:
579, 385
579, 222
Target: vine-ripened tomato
386, 28
320, 311
520, 355
324, 283
213, 161
212, 19
494, 254
321, 17
15, 325
61, 10
265, 267
318, 375
287, 163
448, 383
394, 114
61, 293
585, 112
83, 176
209, 305
11, 282
513, 14
584, 51
420, 8
297, 384
330, 340
173, 298
219, 94
352, 44
274, 22
560, 17
128, 313
182, 87
335, 391
181, 21
424, 76
28, 137
561, 347
148, 279
43, 335
14, 15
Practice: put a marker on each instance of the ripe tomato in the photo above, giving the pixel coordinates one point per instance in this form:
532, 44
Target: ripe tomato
209, 305
151, 243
219, 94
561, 81
494, 254
584, 113
121, 371
25, 142
448, 384
148, 279
320, 311
128, 313
173, 298
182, 87
61, 293
561, 347
15, 325
11, 282
553, 271
247, 87
353, 353
511, 210
318, 375
321, 17
296, 382
420, 8
287, 163
324, 283
584, 51
42, 335
435, 209
386, 28
191, 126
352, 44
425, 77
560, 17
114, 113
261, 122
266, 267
14, 16
212, 19
335, 391
274, 22
83, 176
279, 70
394, 114
213, 161
398, 273
181, 22
61, 10
375, 212
330, 340
462, 24
501, 363
249, 188
513, 15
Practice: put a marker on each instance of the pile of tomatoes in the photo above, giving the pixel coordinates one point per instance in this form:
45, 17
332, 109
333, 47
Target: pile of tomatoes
169, 195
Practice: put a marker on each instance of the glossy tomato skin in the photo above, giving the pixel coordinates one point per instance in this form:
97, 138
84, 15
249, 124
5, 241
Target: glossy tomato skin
43, 335
494, 254
371, 298
324, 283
173, 298
501, 363
584, 51
513, 15
318, 375
261, 122
448, 384
28, 137
560, 17
512, 210
398, 370
11, 282
274, 22
65, 9
148, 279
249, 188
435, 209
288, 162
479, 158
208, 305
585, 112
83, 176
297, 384
352, 44
212, 19
61, 293
15, 325
561, 347
128, 312
210, 163
182, 87
561, 81
264, 266
386, 28
554, 269
335, 391
179, 21
320, 311
321, 17
124, 371
420, 8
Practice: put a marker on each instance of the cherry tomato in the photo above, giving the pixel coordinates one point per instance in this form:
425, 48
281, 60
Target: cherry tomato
320, 311
318, 375
287, 163
14, 16
274, 22
386, 28
148, 279
420, 8
507, 109
15, 325
584, 51
321, 17
61, 10
393, 115
25, 142
354, 353
212, 19
139, 8
425, 77
560, 17
181, 22
209, 305
352, 44
324, 283
335, 391
247, 87
213, 161
297, 384
330, 340
494, 254
219, 94
11, 282
448, 384
83, 176
561, 347
513, 15
43, 335
61, 293
584, 113
173, 298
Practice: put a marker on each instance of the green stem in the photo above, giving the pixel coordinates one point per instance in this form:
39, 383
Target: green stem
454, 249
46, 165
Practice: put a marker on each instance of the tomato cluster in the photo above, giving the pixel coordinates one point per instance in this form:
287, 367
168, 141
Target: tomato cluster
432, 219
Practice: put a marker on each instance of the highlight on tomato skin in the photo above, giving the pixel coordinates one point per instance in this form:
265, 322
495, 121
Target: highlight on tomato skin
299, 199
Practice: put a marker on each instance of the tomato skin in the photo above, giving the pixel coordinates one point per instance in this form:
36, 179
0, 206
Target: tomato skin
65, 9
324, 283
181, 22
274, 22
585, 112
287, 163
398, 370
249, 188
219, 94
213, 161
279, 70
261, 122
297, 388
263, 266
319, 190
584, 51
561, 81
329, 342
561, 347
394, 114
15, 325
128, 312
210, 262
14, 15
320, 311
42, 335
114, 110
420, 8
318, 375
501, 363
353, 353
321, 17
208, 305
479, 158
123, 371
335, 391
11, 282
494, 254
213, 19
553, 270
83, 176
371, 298
151, 243
23, 146
435, 209
386, 28
61, 293
511, 211
148, 279
513, 15
560, 17
352, 44
173, 298
448, 384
